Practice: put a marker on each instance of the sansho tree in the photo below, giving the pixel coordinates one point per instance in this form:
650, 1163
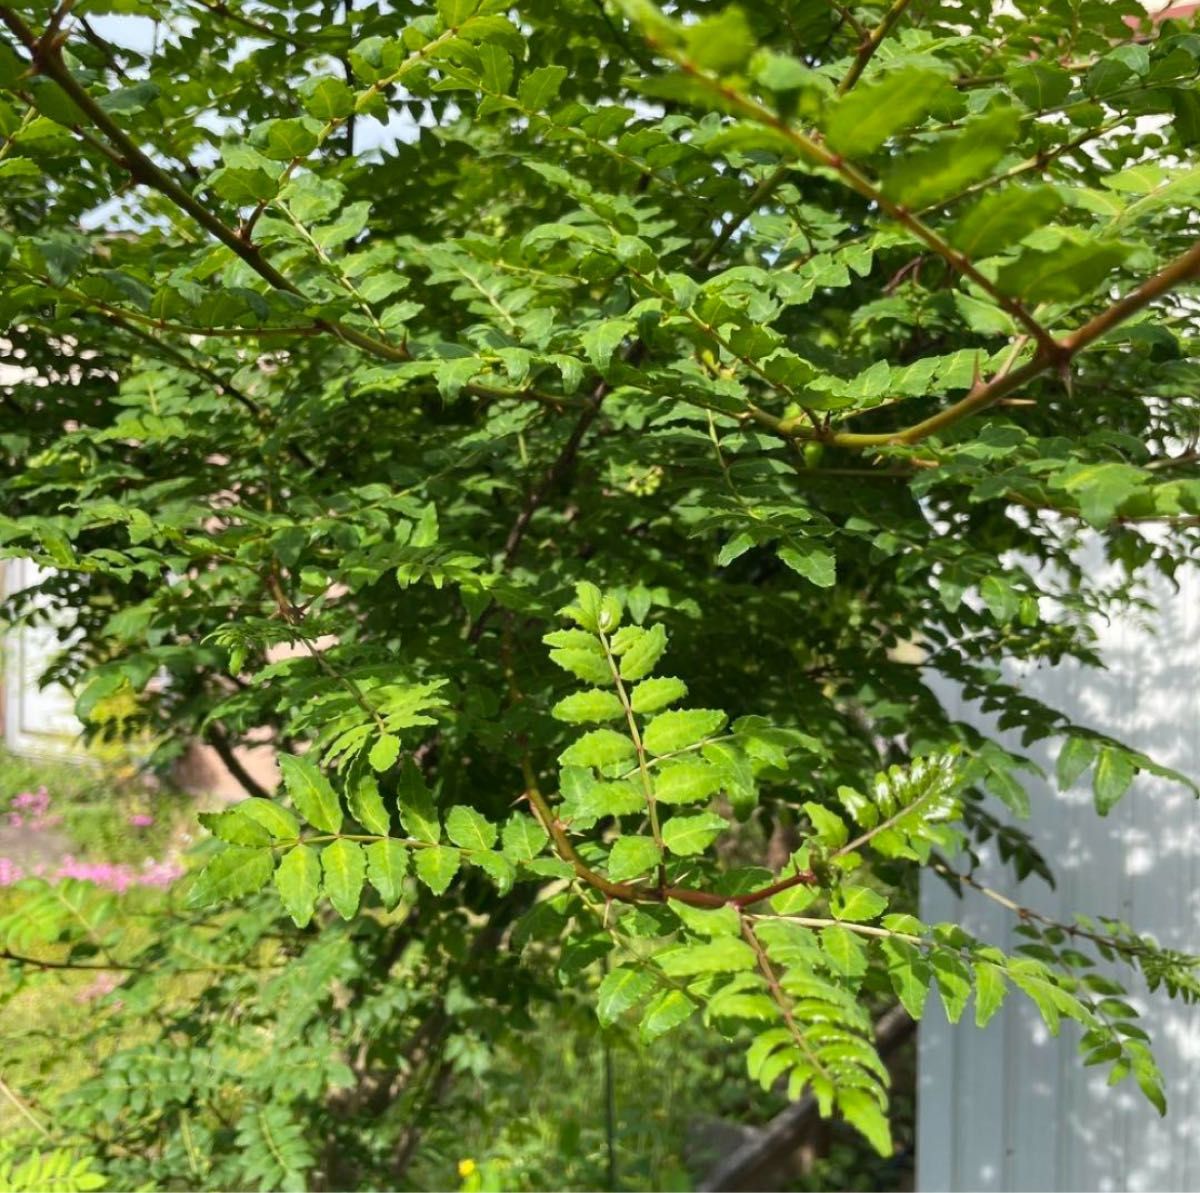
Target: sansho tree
399, 378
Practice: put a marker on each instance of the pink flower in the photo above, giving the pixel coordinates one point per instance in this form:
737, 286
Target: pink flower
159, 873
141, 820
118, 877
29, 808
10, 872
102, 984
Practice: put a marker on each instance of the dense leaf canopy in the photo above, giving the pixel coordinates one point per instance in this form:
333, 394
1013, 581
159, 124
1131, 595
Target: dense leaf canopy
406, 379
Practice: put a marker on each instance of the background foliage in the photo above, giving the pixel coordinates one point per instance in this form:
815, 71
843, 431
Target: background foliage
399, 379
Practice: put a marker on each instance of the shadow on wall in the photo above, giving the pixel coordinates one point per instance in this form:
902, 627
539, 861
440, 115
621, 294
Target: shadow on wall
1011, 1108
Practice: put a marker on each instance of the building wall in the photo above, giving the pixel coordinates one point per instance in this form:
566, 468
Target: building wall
1010, 1108
41, 721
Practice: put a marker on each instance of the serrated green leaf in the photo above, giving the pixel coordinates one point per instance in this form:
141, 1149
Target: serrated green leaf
845, 952
651, 695
1074, 268
540, 87
920, 178
1111, 779
298, 880
670, 732
725, 954
326, 97
417, 813
1074, 758
953, 982
599, 748
861, 1110
585, 665
812, 561
686, 782
384, 752
621, 989
500, 870
311, 792
1003, 217
524, 838
708, 921
909, 972
436, 867
235, 827
989, 992
867, 116
631, 857
612, 799
387, 863
689, 835
232, 873
830, 828
667, 1010
857, 904
592, 706
366, 804
469, 828
275, 818
644, 650
344, 870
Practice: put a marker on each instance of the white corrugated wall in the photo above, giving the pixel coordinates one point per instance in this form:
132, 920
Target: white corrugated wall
1011, 1108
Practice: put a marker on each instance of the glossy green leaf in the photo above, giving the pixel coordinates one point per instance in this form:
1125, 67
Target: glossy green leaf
670, 732
417, 813
387, 864
863, 119
469, 828
298, 881
632, 857
232, 873
688, 835
622, 989
344, 870
653, 695
311, 793
366, 804
436, 867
